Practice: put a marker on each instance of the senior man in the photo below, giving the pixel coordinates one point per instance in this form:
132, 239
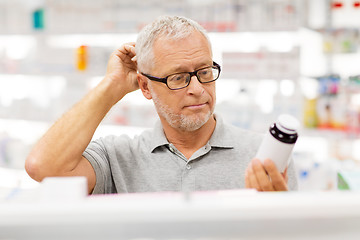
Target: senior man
189, 149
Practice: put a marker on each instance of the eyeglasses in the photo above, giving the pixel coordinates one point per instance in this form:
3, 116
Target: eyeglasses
182, 80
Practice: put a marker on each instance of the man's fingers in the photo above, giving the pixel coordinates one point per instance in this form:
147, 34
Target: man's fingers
265, 177
130, 49
127, 50
261, 176
285, 176
277, 179
251, 179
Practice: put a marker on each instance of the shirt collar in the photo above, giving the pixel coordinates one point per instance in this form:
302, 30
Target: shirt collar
158, 138
220, 138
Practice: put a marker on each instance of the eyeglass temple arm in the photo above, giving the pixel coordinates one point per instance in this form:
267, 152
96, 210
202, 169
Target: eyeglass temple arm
163, 80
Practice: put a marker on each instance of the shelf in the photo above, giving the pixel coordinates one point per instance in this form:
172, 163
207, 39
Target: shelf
199, 215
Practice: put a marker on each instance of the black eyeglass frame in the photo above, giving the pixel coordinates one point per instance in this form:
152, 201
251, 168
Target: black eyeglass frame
194, 73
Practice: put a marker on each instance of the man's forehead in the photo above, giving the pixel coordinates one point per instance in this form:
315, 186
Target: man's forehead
183, 67
179, 55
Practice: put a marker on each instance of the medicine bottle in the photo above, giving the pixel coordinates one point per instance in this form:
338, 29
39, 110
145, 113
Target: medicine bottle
279, 141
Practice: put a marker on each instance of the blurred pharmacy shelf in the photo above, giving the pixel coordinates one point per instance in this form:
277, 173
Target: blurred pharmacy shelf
67, 16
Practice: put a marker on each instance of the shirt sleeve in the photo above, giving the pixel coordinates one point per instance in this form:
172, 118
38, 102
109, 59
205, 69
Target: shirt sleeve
97, 155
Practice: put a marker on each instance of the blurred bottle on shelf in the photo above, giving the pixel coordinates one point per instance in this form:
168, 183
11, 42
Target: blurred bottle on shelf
310, 113
38, 19
81, 58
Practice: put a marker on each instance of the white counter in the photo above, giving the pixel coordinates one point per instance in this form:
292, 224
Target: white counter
206, 215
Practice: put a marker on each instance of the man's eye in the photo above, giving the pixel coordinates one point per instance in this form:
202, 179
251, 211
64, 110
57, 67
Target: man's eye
177, 78
205, 72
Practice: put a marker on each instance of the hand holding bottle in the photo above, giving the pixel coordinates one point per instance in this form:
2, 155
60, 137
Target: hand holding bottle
265, 176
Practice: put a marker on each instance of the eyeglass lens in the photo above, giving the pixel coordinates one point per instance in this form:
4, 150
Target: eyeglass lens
181, 80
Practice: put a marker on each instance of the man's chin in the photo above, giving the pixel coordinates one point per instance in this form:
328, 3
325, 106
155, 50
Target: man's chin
190, 124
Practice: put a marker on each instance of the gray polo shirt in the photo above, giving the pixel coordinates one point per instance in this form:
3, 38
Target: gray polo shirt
149, 163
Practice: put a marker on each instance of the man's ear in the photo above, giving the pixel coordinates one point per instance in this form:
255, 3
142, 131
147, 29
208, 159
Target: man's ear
143, 85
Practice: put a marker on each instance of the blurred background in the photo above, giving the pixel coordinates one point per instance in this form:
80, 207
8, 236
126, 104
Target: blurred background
300, 57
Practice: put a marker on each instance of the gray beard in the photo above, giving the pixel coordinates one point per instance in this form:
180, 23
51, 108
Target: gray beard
182, 122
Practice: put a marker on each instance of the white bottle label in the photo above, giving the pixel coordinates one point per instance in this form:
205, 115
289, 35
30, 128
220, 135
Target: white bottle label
276, 151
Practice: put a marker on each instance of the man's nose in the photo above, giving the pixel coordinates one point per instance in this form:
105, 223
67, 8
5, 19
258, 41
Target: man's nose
195, 86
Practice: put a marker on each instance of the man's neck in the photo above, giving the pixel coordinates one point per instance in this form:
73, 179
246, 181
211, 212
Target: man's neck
188, 142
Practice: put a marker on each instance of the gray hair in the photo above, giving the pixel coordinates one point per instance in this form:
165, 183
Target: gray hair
172, 27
